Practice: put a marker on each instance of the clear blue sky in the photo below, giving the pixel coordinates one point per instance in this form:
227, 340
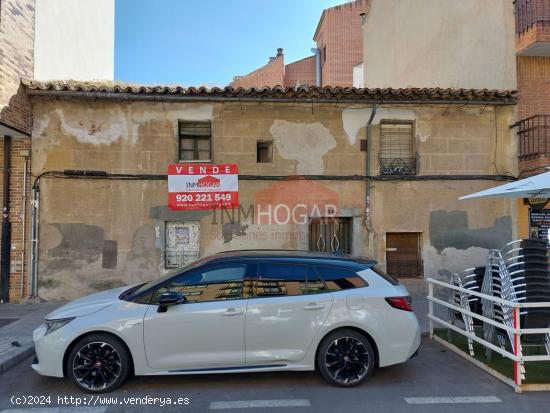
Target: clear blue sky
196, 42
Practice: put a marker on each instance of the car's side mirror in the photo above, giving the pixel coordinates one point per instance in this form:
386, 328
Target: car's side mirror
168, 299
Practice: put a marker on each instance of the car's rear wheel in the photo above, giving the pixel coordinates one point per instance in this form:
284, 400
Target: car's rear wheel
98, 363
345, 358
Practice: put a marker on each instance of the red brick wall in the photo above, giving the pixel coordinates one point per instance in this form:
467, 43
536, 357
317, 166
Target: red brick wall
302, 71
16, 215
272, 74
16, 60
340, 34
533, 76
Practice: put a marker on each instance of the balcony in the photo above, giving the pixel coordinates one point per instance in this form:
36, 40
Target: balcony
397, 166
534, 143
532, 27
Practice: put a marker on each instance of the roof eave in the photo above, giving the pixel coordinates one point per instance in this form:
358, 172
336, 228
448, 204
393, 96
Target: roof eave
213, 98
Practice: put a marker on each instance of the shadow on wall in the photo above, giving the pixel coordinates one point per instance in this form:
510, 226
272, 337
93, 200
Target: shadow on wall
450, 229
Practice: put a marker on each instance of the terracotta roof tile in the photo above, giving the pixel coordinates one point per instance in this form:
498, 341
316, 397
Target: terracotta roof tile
309, 93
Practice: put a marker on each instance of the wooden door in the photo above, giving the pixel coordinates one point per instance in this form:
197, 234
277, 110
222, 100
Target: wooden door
403, 254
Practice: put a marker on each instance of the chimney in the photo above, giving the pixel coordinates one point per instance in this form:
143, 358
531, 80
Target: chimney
279, 52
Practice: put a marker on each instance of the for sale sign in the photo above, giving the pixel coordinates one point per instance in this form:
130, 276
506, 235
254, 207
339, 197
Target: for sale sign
203, 186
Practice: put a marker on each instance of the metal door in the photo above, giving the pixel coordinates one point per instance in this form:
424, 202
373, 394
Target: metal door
182, 243
330, 235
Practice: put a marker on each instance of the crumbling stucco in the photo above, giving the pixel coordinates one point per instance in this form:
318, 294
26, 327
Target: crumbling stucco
450, 229
305, 143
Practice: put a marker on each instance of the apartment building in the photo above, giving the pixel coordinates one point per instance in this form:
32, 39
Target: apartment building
339, 49
532, 46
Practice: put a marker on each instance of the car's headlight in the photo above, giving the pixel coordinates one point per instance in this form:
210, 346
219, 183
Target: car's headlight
52, 325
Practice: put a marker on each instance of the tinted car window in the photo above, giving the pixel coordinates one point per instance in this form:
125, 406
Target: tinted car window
385, 276
276, 279
337, 278
211, 283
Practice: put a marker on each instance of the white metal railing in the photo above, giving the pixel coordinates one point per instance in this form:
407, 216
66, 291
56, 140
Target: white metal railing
517, 356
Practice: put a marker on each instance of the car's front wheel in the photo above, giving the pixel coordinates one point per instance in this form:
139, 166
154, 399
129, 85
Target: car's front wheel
345, 358
98, 363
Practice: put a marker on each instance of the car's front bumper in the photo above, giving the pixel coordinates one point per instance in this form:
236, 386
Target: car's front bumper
49, 350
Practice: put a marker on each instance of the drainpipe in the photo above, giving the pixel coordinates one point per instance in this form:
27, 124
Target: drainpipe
367, 169
35, 214
24, 224
317, 53
6, 226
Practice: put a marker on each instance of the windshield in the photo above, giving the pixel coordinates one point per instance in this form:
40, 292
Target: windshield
167, 276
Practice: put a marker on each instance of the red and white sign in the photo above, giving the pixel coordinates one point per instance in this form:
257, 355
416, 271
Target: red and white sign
203, 186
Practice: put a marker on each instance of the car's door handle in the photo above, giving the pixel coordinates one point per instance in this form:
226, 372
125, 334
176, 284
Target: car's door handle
232, 311
314, 306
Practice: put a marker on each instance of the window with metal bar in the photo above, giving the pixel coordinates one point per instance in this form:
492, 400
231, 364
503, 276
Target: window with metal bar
195, 141
397, 152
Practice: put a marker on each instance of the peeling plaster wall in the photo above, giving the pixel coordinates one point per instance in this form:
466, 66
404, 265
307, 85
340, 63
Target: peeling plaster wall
97, 234
315, 141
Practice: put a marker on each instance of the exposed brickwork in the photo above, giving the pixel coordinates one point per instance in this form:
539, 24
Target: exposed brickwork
17, 202
539, 32
301, 72
16, 62
272, 74
339, 36
533, 166
533, 75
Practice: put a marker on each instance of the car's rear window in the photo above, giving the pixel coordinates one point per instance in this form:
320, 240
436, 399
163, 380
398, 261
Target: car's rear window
337, 278
385, 276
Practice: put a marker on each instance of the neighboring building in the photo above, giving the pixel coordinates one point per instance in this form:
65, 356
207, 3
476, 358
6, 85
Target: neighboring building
339, 41
75, 39
16, 61
113, 227
47, 40
442, 43
533, 126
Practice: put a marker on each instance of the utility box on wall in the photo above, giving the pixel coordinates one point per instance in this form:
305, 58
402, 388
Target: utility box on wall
182, 243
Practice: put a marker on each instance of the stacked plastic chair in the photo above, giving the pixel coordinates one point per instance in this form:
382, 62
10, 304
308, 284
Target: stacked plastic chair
528, 264
469, 279
519, 272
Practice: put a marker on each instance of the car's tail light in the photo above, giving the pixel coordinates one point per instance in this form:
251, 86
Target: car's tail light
401, 303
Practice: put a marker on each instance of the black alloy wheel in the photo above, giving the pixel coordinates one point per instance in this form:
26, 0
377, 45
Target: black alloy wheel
345, 358
98, 363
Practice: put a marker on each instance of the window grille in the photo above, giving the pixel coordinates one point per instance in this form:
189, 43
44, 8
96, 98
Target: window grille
397, 152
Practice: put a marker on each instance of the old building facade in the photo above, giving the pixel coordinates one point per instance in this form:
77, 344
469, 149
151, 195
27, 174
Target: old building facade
101, 154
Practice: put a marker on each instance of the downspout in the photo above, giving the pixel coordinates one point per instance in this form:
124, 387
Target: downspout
6, 226
367, 181
317, 53
24, 225
35, 214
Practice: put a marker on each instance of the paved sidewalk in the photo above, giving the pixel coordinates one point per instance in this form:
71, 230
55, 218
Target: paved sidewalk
16, 336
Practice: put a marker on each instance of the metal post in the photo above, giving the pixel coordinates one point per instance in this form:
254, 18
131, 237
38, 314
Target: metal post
431, 307
517, 353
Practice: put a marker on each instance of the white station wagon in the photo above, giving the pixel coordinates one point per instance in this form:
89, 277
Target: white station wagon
242, 311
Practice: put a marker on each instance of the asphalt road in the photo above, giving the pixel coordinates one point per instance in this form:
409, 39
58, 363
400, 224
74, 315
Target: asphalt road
436, 380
